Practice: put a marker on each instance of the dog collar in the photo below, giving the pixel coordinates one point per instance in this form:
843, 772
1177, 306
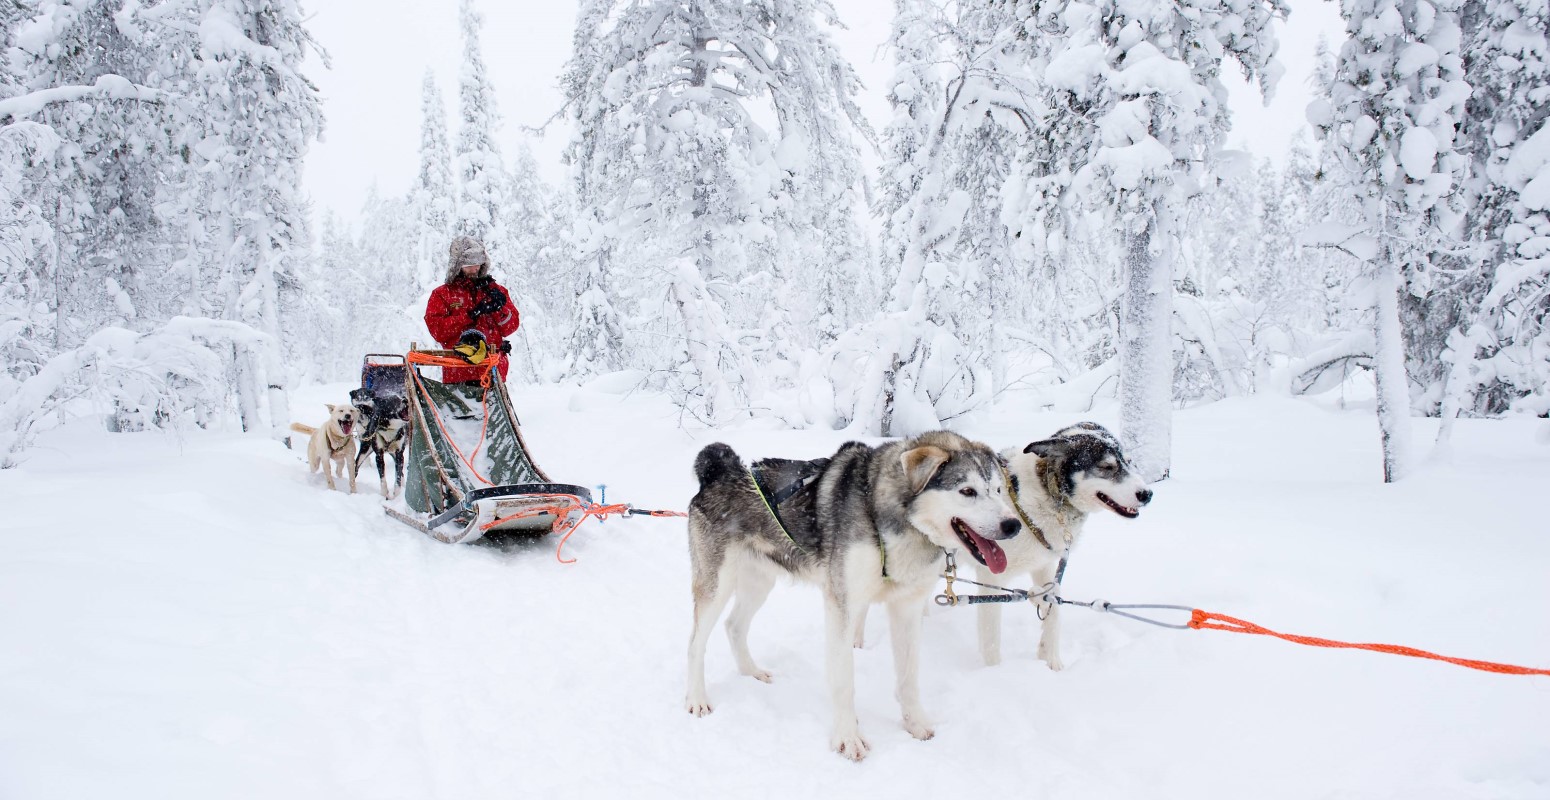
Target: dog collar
1038, 533
330, 436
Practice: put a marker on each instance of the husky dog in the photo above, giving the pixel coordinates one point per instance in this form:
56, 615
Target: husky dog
868, 525
331, 444
382, 433
1056, 483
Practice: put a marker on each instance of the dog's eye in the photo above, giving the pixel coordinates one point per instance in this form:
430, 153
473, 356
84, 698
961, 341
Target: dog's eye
968, 491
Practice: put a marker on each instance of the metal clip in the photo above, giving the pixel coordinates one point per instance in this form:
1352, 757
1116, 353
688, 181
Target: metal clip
949, 597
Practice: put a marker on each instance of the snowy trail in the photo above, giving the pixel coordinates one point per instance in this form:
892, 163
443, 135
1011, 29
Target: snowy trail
206, 620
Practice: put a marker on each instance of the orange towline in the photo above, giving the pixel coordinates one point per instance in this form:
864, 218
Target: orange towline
1204, 620
569, 511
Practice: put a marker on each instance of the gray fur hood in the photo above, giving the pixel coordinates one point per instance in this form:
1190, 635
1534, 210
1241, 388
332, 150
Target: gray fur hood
466, 250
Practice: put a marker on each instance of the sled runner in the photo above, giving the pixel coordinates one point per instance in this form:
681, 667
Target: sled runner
469, 471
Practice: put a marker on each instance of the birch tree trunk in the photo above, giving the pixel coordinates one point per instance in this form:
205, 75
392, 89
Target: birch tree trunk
1146, 346
271, 366
1389, 361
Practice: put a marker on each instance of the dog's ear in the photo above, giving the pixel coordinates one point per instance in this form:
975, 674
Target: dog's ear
1047, 447
331, 408
921, 463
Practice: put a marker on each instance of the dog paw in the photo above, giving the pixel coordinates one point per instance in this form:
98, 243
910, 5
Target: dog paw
699, 707
1053, 662
760, 675
919, 728
851, 746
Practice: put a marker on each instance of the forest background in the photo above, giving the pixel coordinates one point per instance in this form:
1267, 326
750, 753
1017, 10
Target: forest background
1032, 193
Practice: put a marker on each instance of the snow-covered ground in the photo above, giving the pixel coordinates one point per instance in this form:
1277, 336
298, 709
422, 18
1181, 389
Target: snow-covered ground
199, 618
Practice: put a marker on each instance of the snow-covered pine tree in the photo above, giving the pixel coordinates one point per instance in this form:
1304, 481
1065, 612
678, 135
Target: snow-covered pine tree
1503, 362
1136, 114
539, 268
253, 115
1392, 119
482, 183
687, 193
433, 195
75, 70
947, 151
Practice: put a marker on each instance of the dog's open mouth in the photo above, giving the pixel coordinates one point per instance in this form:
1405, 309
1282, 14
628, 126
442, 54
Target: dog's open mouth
984, 550
1125, 511
346, 425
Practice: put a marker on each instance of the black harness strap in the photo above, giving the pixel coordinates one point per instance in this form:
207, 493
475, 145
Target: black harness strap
773, 500
805, 478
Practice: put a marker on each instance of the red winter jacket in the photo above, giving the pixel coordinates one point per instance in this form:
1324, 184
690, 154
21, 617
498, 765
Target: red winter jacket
446, 315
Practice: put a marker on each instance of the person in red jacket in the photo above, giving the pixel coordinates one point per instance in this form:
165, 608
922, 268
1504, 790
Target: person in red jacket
471, 300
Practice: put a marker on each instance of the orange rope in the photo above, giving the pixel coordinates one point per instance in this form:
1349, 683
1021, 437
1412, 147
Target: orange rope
425, 359
1203, 620
566, 521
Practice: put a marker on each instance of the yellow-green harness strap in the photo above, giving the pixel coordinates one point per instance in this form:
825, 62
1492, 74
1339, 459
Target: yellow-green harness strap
758, 489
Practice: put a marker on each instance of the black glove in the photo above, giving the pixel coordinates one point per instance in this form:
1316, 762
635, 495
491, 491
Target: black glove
505, 348
494, 300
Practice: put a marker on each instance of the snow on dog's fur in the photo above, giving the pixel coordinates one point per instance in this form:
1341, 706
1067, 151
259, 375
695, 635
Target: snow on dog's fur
869, 525
331, 444
1057, 482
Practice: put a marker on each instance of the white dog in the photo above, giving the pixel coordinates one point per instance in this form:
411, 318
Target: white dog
332, 445
1056, 483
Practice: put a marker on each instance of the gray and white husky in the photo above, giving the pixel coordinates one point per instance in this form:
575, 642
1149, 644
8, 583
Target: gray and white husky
868, 525
1057, 482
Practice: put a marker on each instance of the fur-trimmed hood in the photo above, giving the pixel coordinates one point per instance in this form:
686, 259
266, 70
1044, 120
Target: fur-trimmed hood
466, 250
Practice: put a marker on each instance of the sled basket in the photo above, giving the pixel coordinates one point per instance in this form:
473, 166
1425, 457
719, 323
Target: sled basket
468, 470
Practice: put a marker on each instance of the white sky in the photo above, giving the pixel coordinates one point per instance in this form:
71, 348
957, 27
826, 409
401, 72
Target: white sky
380, 50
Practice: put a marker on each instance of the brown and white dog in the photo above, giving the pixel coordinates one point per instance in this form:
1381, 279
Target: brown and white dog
1056, 483
332, 444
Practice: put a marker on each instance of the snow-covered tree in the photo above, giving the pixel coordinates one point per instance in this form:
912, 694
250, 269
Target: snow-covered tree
947, 149
539, 267
433, 195
78, 73
1500, 361
482, 184
257, 115
711, 137
1392, 118
1133, 114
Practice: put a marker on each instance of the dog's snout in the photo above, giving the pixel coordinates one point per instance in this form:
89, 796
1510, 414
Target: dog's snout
1144, 496
1010, 528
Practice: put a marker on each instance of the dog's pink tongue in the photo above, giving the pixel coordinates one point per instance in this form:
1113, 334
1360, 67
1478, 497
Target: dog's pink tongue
994, 556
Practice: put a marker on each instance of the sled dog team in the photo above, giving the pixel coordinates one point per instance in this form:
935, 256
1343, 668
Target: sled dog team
872, 525
370, 425
866, 525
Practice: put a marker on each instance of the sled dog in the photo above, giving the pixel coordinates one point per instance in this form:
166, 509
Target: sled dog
383, 433
331, 444
1056, 483
867, 525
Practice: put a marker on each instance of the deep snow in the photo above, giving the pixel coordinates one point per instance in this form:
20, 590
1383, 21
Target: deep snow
199, 618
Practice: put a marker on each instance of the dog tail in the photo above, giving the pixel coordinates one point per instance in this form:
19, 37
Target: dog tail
715, 462
300, 428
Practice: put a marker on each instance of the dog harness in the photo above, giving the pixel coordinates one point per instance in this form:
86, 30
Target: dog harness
329, 437
1038, 533
772, 500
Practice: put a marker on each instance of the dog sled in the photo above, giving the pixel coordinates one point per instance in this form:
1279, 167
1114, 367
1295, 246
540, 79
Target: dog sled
469, 472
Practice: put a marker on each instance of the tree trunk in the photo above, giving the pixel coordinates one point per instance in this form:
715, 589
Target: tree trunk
1146, 346
1393, 385
243, 369
271, 368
